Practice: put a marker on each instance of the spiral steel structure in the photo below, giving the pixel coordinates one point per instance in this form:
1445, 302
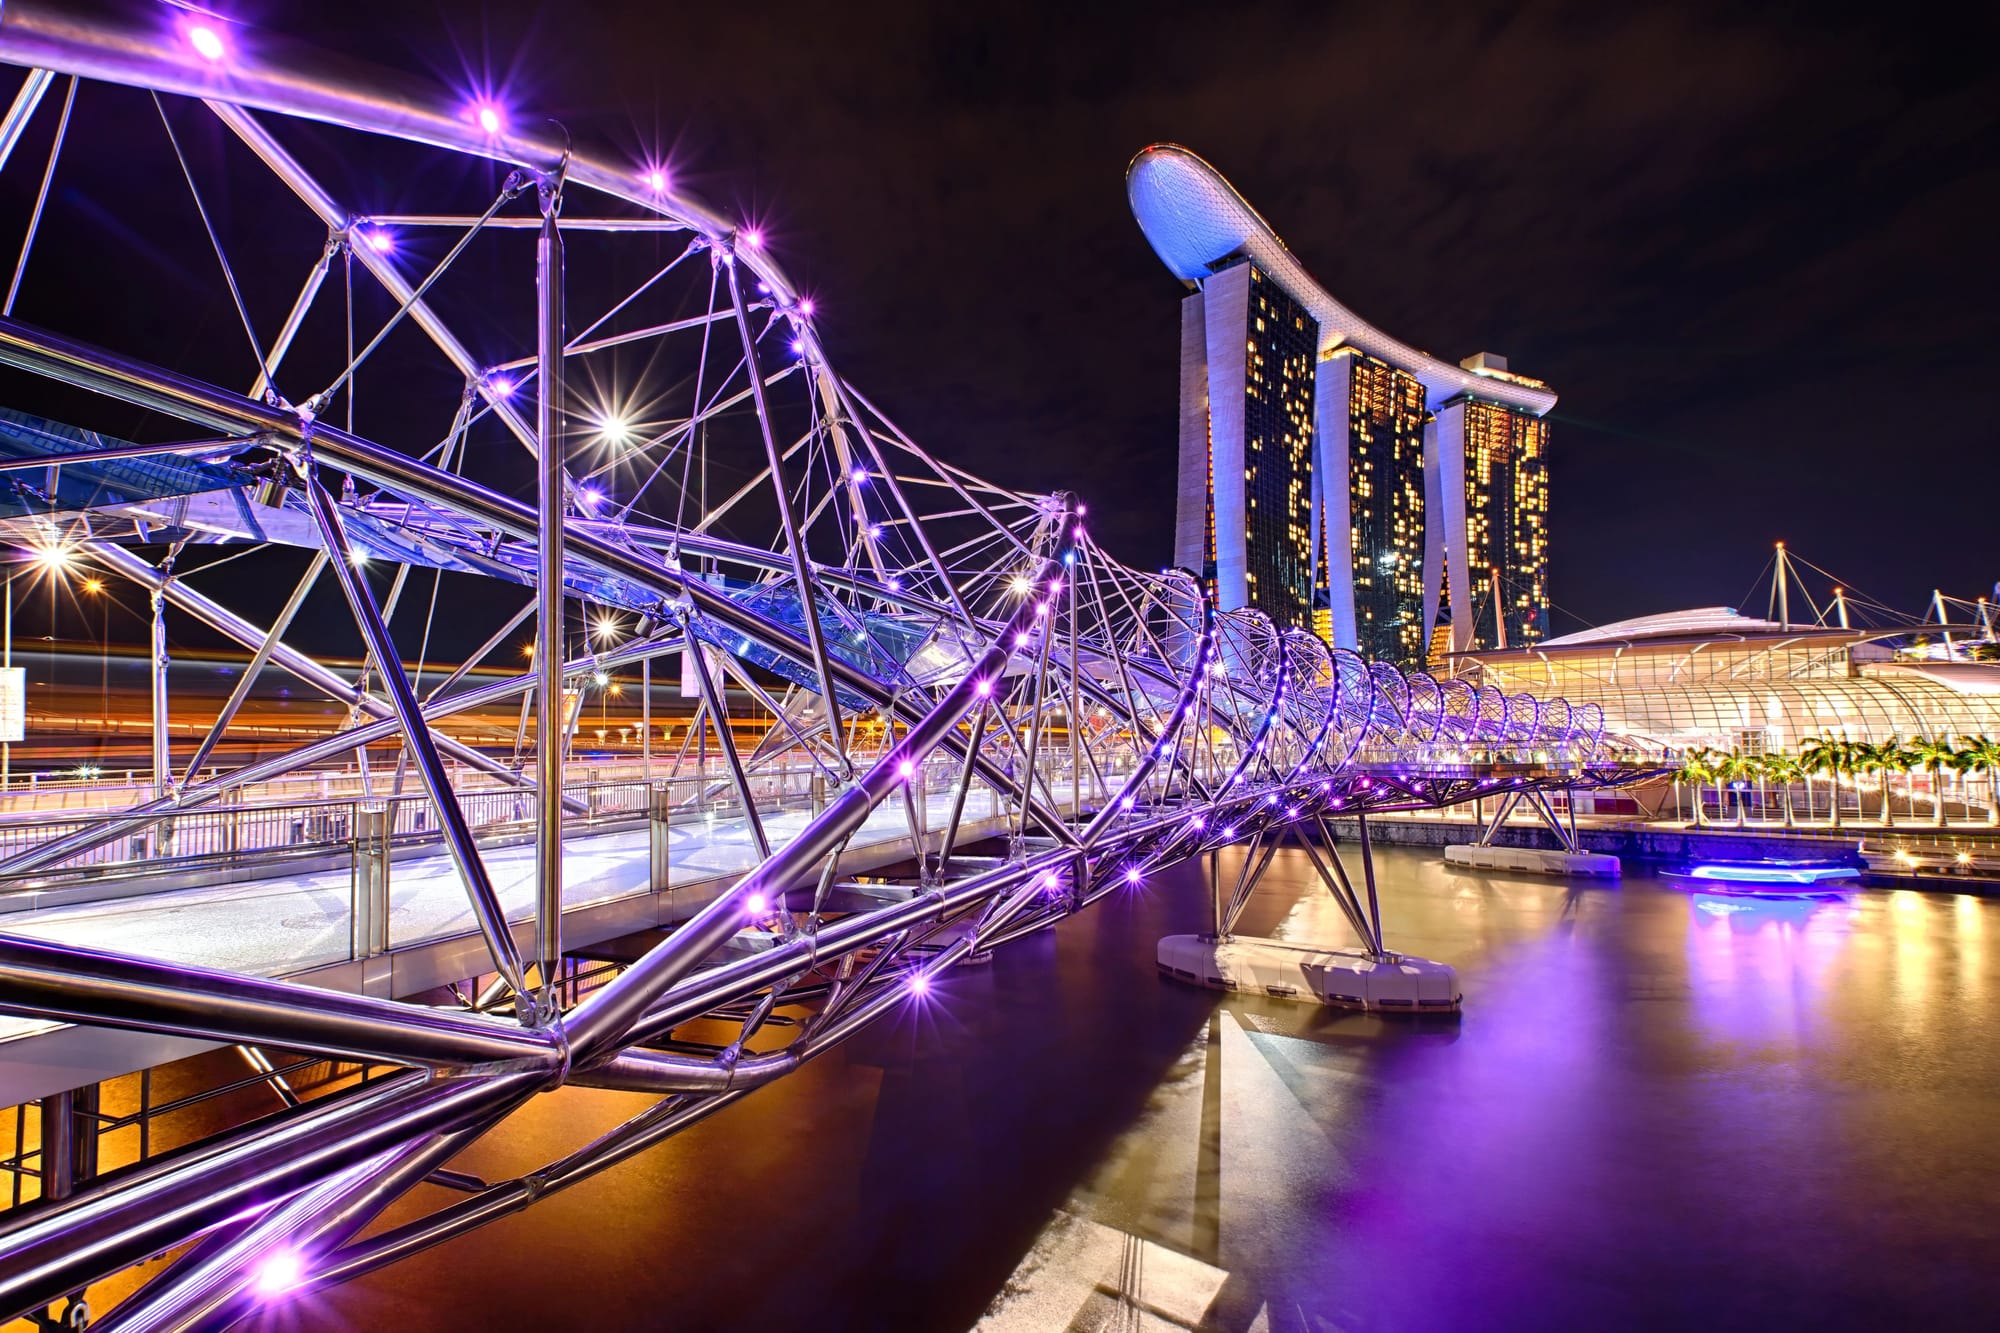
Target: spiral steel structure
922, 636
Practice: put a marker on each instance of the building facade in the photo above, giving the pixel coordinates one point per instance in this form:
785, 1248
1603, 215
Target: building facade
1330, 476
1501, 453
1246, 456
1372, 551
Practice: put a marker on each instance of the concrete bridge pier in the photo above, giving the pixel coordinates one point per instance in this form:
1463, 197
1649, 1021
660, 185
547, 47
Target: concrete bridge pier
1568, 857
1370, 977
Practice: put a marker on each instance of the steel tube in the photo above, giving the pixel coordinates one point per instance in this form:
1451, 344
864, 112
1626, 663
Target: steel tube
795, 545
196, 1290
458, 840
127, 1219
80, 985
130, 381
718, 717
163, 773
551, 489
258, 660
612, 1011
22, 110
121, 561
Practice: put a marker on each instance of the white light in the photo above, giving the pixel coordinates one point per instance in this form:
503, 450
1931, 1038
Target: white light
207, 43
279, 1272
615, 429
601, 678
1021, 585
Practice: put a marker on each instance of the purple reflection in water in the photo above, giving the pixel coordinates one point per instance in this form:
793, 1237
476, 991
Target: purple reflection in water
1650, 1115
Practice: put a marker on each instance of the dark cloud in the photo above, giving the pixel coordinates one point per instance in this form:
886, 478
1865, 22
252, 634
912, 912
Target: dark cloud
1749, 245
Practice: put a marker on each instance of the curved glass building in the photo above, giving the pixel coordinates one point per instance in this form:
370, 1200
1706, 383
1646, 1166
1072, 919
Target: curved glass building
1715, 678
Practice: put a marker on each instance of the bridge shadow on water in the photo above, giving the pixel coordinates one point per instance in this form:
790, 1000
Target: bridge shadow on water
1654, 1113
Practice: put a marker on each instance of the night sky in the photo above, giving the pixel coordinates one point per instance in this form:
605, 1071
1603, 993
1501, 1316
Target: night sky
1750, 246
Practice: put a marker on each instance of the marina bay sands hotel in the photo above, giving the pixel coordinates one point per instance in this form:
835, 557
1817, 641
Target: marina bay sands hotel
1331, 476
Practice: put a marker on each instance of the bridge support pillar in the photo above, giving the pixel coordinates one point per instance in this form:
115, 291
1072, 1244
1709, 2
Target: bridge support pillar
659, 809
1569, 858
370, 917
1370, 977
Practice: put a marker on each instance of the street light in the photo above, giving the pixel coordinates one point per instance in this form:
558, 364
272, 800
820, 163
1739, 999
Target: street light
94, 587
50, 558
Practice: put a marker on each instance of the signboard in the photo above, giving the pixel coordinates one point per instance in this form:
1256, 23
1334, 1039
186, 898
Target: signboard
13, 704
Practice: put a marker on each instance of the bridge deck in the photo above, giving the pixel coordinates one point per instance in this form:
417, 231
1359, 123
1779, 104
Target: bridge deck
298, 924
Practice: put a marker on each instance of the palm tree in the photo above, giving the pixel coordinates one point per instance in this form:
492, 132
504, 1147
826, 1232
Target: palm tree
1983, 754
1785, 770
1824, 754
1882, 759
1933, 754
1697, 768
1735, 769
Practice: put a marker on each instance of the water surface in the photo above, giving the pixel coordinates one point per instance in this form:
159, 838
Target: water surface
1658, 1110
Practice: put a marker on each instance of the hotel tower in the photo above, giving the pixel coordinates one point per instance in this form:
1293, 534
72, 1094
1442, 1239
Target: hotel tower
1330, 476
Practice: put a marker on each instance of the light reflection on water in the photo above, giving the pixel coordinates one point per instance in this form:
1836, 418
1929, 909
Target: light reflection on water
1659, 1109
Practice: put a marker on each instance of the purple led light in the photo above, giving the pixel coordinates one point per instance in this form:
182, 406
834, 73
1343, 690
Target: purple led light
279, 1272
983, 688
1229, 832
489, 117
754, 239
656, 180
874, 531
1125, 802
207, 43
1132, 875
905, 769
379, 240
502, 387
919, 983
756, 904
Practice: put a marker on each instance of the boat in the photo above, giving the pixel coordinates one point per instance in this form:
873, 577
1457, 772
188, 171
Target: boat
1770, 877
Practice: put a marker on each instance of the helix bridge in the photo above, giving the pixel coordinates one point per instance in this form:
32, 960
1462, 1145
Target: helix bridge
417, 348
